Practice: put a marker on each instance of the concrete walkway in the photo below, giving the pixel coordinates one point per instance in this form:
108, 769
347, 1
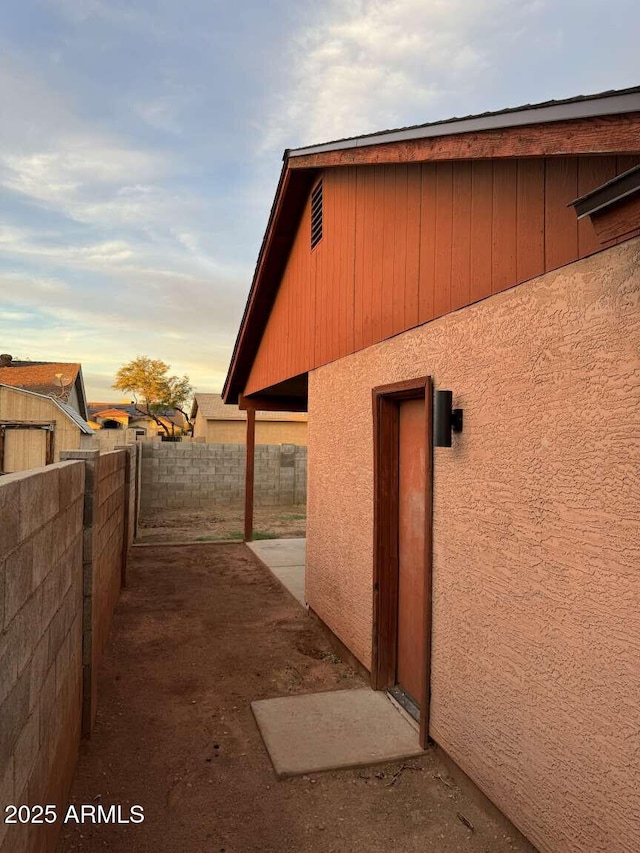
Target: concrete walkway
332, 730
285, 558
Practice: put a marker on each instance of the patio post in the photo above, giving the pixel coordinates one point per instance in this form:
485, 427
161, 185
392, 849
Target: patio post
249, 474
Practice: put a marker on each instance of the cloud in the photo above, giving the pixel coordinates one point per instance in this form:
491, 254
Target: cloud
27, 244
374, 64
186, 321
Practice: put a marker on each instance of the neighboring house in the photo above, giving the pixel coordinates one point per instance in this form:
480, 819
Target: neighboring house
54, 378
218, 423
34, 428
128, 416
492, 585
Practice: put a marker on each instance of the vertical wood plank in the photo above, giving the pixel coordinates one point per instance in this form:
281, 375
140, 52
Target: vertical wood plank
388, 242
50, 447
530, 219
625, 162
592, 173
428, 197
444, 225
306, 318
326, 262
481, 247
321, 255
333, 313
349, 273
561, 224
317, 309
503, 253
377, 284
461, 241
399, 248
359, 263
367, 218
412, 267
344, 272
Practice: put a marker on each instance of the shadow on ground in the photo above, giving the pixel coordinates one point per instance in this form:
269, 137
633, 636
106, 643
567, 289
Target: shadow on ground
200, 632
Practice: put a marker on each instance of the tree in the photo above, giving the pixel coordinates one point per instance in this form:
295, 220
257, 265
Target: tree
154, 390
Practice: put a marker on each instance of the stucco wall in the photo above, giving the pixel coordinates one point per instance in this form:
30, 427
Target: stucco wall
536, 541
267, 432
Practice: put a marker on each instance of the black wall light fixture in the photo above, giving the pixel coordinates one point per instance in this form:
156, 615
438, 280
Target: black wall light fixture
445, 419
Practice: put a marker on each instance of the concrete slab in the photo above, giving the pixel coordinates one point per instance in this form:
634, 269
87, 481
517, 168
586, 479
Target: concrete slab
333, 730
285, 558
280, 552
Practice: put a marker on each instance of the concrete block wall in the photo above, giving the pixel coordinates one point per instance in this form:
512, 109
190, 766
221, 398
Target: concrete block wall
105, 535
109, 532
41, 546
196, 476
130, 495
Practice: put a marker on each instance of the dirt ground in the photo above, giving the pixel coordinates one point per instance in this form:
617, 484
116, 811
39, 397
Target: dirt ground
221, 522
199, 633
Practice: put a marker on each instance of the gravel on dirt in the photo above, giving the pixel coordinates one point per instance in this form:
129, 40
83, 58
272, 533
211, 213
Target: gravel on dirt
221, 522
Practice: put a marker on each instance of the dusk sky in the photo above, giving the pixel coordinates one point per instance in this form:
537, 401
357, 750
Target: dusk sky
141, 142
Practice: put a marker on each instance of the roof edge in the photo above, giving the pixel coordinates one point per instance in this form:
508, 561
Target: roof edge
588, 106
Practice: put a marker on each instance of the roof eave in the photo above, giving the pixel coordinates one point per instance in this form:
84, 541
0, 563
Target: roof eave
605, 105
291, 187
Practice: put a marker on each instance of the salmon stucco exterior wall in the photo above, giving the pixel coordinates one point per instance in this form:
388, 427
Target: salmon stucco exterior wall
267, 432
536, 648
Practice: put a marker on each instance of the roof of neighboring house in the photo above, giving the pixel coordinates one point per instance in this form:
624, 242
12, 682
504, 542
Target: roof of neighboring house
213, 408
41, 378
110, 413
603, 123
75, 417
130, 409
121, 408
65, 408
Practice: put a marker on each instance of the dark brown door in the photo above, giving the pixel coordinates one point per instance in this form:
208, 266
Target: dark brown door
411, 664
401, 648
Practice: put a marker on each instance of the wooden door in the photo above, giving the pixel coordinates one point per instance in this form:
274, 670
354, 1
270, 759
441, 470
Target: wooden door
401, 647
411, 664
24, 449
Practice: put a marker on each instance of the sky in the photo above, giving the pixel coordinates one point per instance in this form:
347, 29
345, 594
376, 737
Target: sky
141, 143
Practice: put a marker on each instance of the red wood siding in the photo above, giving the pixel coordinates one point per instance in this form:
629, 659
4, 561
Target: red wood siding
404, 244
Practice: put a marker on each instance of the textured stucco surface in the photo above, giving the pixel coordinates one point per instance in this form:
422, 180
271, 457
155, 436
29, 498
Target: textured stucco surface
536, 640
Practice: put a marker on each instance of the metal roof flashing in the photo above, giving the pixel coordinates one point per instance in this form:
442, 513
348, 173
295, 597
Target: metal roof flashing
612, 192
584, 106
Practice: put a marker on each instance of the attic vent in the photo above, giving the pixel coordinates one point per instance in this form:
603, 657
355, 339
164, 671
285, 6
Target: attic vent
316, 215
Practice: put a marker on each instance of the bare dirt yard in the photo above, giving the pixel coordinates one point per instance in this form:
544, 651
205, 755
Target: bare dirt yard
221, 522
200, 632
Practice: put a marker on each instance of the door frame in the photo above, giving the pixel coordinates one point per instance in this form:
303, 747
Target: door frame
386, 400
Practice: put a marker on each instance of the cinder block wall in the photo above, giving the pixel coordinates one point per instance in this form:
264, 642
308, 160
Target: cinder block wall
194, 475
41, 540
105, 514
